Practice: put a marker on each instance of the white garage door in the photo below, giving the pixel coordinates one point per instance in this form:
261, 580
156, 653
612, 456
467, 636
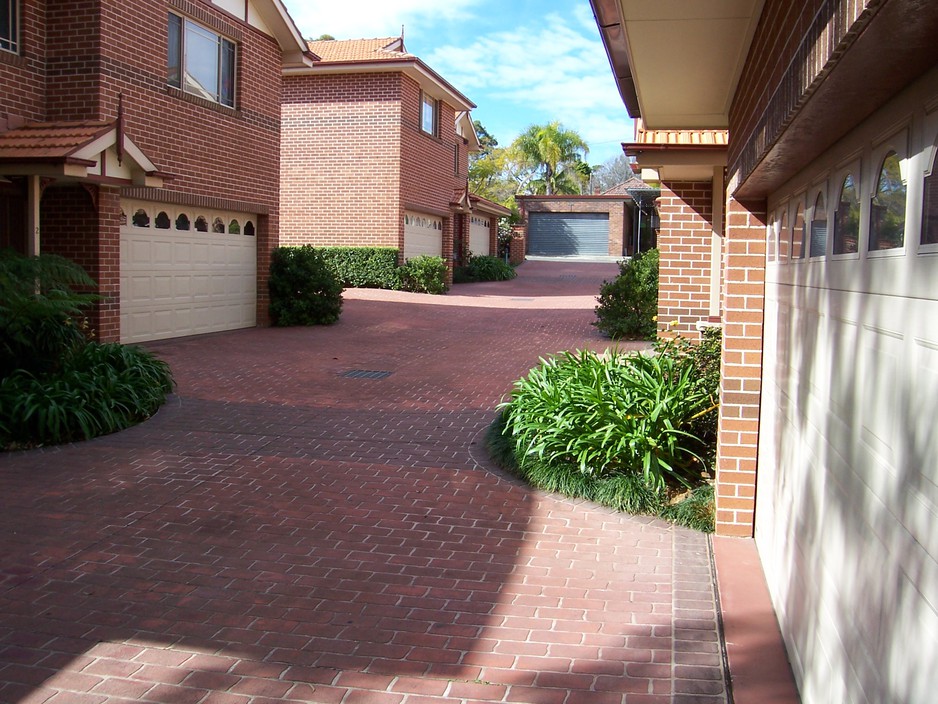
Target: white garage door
847, 497
479, 229
423, 235
185, 271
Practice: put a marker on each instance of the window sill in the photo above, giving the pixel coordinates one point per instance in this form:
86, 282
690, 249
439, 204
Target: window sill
11, 58
196, 100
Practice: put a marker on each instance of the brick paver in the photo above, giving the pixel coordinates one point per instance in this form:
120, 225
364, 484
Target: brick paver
281, 532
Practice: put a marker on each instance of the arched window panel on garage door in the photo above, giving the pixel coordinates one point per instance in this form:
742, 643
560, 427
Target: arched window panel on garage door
818, 242
846, 224
887, 213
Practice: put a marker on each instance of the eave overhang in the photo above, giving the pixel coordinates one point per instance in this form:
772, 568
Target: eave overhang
676, 63
429, 80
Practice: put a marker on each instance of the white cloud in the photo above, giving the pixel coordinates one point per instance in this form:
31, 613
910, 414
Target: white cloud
372, 18
555, 69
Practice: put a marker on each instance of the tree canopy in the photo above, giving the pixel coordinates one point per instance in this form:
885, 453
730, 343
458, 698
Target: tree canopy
554, 157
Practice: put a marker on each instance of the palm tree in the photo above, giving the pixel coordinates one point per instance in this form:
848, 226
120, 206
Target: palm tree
558, 156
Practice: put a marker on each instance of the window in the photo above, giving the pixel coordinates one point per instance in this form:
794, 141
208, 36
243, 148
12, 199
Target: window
162, 221
249, 228
797, 233
429, 114
930, 209
200, 62
887, 215
201, 224
783, 242
847, 218
9, 26
818, 244
771, 239
182, 222
218, 226
141, 219
234, 228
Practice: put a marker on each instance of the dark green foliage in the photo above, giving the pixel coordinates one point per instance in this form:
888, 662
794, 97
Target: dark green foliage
41, 303
703, 361
303, 288
363, 267
696, 510
99, 389
628, 305
486, 268
623, 492
424, 275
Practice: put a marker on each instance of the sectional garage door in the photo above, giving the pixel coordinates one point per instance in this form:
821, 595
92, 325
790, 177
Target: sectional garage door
568, 234
185, 271
423, 235
479, 235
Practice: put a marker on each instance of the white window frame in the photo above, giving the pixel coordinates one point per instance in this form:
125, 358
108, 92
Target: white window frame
428, 101
853, 168
11, 43
801, 200
930, 168
819, 189
216, 94
898, 143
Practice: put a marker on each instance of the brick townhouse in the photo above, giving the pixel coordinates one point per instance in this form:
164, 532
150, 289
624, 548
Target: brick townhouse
141, 139
375, 152
824, 206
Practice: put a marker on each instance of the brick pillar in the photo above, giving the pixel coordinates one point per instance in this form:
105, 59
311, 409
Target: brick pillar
448, 253
109, 264
268, 239
684, 248
740, 394
518, 245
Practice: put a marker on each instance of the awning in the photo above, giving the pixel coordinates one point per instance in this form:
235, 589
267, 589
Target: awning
97, 152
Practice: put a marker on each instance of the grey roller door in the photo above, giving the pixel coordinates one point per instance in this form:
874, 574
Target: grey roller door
566, 234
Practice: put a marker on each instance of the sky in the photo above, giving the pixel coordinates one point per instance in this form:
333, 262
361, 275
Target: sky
522, 62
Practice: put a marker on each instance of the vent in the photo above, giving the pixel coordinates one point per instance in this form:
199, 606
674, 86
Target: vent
365, 374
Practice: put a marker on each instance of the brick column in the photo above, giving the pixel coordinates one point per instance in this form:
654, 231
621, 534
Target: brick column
448, 252
268, 239
518, 245
740, 395
108, 264
684, 248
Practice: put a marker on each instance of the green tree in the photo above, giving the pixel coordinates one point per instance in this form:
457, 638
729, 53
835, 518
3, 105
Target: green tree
612, 172
555, 158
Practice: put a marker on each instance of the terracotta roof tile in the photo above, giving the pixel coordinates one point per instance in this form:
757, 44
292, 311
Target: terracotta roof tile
681, 137
348, 50
623, 188
49, 140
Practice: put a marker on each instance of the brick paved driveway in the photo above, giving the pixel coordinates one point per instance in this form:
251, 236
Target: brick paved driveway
283, 532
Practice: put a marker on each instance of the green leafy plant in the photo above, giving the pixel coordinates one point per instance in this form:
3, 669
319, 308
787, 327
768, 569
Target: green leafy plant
363, 267
607, 415
303, 288
424, 274
628, 304
100, 389
42, 299
487, 268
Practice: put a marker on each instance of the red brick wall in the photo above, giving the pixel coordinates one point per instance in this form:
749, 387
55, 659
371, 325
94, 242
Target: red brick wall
794, 45
22, 79
341, 149
684, 246
741, 388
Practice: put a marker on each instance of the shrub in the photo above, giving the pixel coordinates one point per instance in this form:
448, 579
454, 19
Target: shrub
628, 304
622, 492
424, 275
363, 267
40, 311
100, 389
303, 289
487, 268
614, 415
703, 360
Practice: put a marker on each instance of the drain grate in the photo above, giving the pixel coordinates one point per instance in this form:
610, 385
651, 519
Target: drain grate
567, 277
365, 374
